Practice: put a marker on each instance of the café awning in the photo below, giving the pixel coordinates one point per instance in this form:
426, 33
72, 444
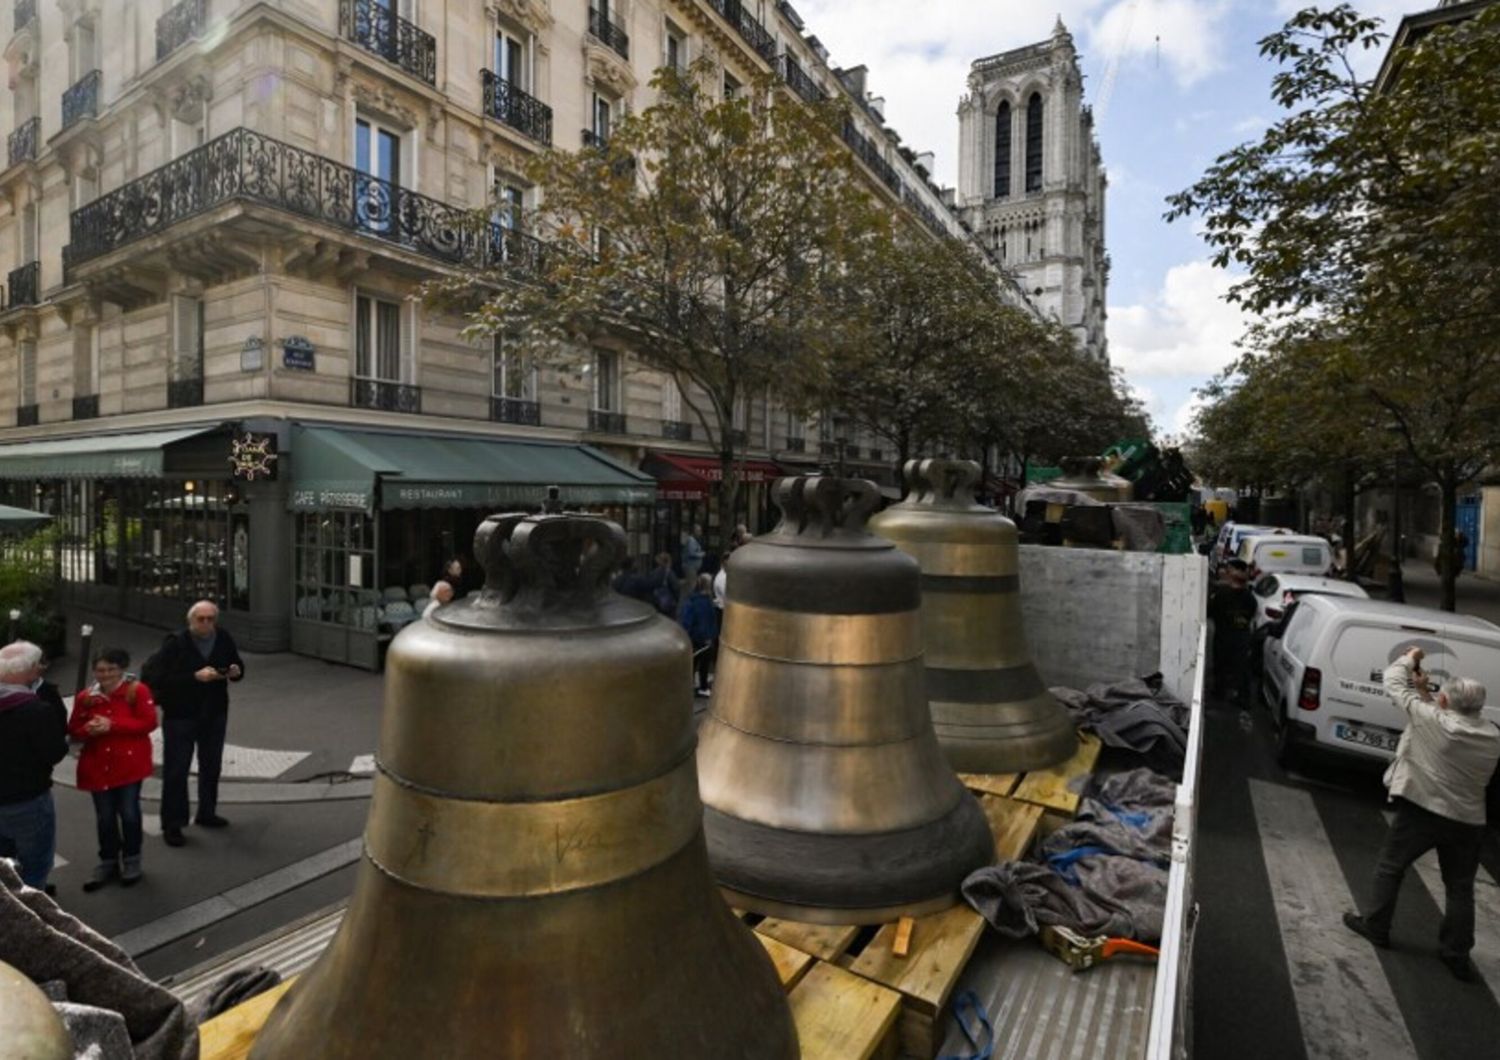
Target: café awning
335, 468
137, 455
688, 477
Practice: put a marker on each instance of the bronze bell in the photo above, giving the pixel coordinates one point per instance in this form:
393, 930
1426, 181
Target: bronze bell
30, 1028
991, 711
535, 881
1087, 475
826, 795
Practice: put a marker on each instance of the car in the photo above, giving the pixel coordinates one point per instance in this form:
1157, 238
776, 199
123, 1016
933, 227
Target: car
1275, 592
1325, 660
1286, 553
1227, 544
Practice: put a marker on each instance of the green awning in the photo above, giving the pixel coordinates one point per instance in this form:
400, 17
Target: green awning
365, 470
137, 455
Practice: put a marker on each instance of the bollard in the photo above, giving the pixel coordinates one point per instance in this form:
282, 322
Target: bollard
85, 638
15, 620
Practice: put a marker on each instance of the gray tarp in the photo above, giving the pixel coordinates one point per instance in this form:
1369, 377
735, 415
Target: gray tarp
1138, 715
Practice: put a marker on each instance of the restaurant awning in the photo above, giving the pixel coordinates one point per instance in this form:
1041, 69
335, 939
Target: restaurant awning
686, 477
366, 470
137, 455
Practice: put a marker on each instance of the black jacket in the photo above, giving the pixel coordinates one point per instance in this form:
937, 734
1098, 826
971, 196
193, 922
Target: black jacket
169, 675
33, 739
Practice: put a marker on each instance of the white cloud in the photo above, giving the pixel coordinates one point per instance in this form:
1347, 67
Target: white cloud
1186, 36
1186, 330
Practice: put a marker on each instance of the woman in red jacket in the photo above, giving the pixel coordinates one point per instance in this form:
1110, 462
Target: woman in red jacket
114, 718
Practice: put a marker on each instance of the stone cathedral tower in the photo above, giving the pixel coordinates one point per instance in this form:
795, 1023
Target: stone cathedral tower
1030, 181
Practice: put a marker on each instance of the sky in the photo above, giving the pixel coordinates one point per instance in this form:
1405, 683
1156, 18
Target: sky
1189, 85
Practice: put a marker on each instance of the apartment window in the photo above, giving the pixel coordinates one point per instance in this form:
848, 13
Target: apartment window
509, 206
81, 54
27, 364
377, 155
603, 116
379, 351
513, 375
187, 336
1034, 143
605, 370
794, 427
1002, 151
740, 417
674, 48
30, 234
189, 131
671, 401
731, 87
511, 60
85, 359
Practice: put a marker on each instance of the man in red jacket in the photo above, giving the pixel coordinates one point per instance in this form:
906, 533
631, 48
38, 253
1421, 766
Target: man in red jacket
33, 739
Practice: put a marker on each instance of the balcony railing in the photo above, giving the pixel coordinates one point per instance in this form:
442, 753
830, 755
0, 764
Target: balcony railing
185, 393
86, 407
610, 32
378, 29
598, 141
21, 144
798, 81
926, 213
677, 430
870, 155
183, 22
384, 395
24, 285
82, 99
25, 14
796, 445
27, 415
244, 165
603, 422
748, 27
509, 105
516, 410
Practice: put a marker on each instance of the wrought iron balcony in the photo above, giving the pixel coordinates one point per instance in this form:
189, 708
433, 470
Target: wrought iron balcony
184, 21
377, 28
21, 144
185, 393
748, 27
609, 32
86, 407
25, 14
506, 103
677, 430
384, 395
798, 81
796, 445
24, 285
516, 410
27, 415
604, 422
246, 166
869, 154
928, 215
82, 99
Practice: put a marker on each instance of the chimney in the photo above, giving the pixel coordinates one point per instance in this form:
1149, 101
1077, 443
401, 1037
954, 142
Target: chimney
949, 197
877, 104
854, 79
818, 48
927, 162
790, 14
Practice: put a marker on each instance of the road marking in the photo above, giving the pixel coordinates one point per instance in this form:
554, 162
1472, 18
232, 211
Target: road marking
1486, 915
242, 763
363, 765
58, 861
1344, 1001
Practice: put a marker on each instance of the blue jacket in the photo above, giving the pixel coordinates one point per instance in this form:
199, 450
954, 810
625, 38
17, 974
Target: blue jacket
701, 620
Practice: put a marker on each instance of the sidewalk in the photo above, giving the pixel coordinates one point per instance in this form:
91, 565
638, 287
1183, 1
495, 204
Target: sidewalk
1475, 595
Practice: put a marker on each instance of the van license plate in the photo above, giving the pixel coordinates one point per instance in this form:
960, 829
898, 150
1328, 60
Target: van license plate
1376, 738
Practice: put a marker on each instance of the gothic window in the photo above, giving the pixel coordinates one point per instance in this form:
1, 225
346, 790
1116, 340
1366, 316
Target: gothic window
1002, 151
1034, 143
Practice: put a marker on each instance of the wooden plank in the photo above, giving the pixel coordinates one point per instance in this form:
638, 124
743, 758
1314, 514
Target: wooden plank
840, 1016
902, 946
941, 946
229, 1036
791, 964
1012, 823
990, 783
1060, 787
825, 941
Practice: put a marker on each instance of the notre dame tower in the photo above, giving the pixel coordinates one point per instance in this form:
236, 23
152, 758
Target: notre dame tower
1030, 181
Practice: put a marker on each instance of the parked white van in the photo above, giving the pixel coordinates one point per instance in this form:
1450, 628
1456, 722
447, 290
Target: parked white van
1323, 673
1286, 554
1231, 535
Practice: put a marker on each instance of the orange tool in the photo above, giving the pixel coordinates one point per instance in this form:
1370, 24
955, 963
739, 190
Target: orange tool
1081, 951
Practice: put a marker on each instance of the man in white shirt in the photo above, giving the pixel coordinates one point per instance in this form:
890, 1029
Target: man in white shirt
1437, 783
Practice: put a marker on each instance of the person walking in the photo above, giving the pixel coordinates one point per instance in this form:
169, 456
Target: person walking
1444, 761
692, 555
1231, 605
33, 739
190, 675
701, 621
114, 717
664, 586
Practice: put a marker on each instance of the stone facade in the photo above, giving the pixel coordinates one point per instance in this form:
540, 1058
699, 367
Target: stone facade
1031, 184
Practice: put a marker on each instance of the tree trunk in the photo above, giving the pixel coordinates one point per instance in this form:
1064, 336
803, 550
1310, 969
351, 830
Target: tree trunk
1447, 558
1349, 500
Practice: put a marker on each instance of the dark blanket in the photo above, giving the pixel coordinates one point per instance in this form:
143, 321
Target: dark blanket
1138, 715
48, 945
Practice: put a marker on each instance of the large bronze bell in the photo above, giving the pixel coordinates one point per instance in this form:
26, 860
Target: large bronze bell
826, 795
991, 711
30, 1028
535, 881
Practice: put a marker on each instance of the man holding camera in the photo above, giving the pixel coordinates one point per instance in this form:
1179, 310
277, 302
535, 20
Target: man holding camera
190, 676
1437, 783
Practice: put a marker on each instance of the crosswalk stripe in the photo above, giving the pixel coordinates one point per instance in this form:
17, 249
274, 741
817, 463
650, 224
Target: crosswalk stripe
1344, 1001
1486, 953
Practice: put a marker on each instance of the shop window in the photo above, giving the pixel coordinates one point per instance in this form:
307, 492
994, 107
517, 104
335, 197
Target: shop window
335, 576
176, 540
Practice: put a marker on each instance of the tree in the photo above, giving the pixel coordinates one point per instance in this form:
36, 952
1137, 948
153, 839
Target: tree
708, 236
1368, 224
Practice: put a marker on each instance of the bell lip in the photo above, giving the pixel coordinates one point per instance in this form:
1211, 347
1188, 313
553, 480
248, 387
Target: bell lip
612, 611
834, 916
1042, 748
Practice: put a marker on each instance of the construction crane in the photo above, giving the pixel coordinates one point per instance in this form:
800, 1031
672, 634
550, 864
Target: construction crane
1112, 64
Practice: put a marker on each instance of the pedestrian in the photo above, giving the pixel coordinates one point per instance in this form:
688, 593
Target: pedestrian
33, 739
692, 555
664, 586
114, 717
721, 583
452, 583
1444, 761
190, 675
701, 620
1231, 606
